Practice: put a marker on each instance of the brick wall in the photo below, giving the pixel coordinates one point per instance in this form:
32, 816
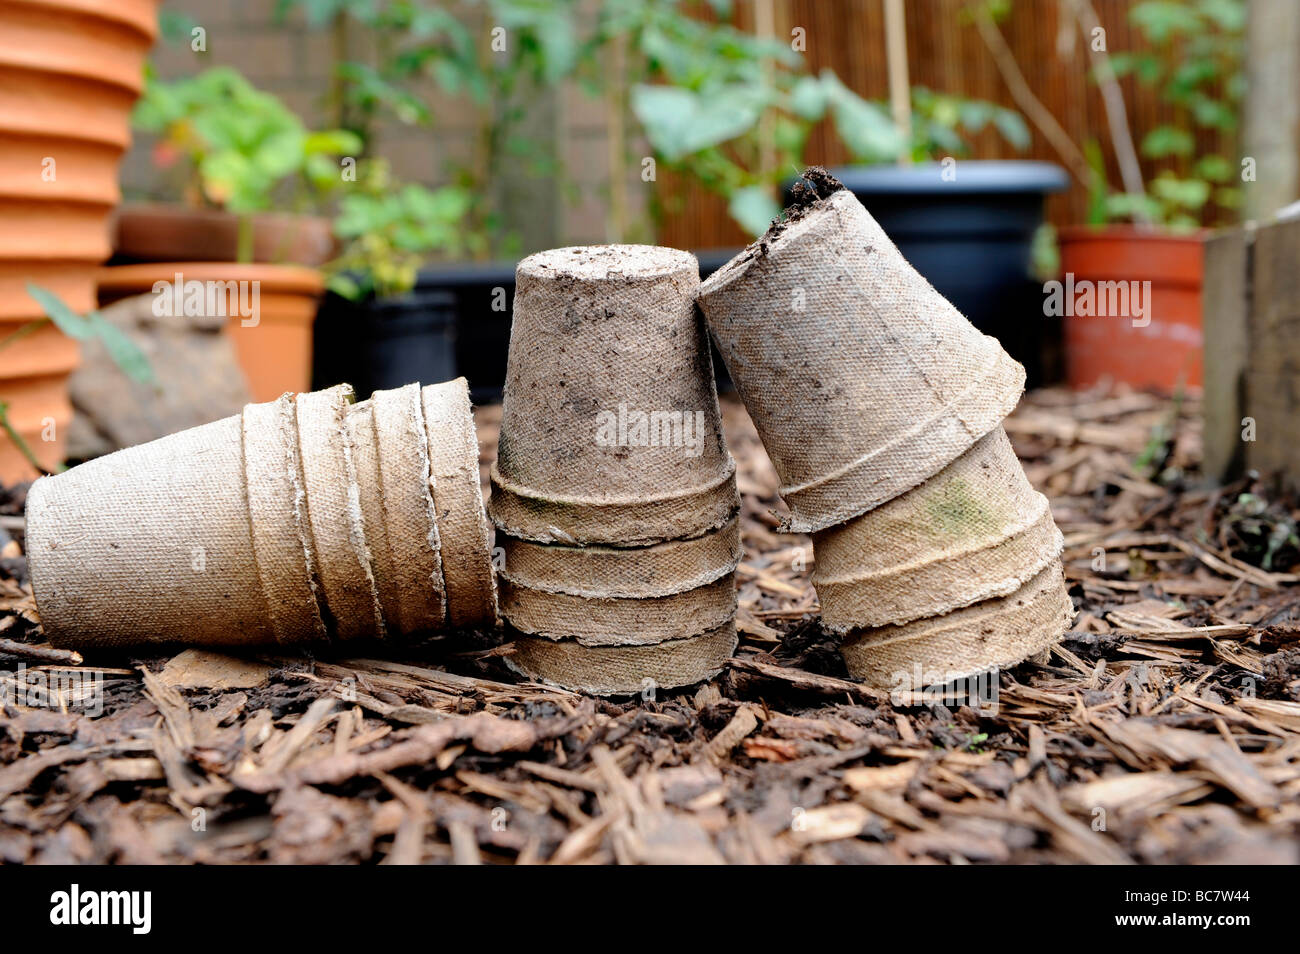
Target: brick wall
295, 63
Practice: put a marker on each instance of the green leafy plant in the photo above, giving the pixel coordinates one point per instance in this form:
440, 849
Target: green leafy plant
120, 349
734, 111
389, 230
495, 77
243, 146
1194, 60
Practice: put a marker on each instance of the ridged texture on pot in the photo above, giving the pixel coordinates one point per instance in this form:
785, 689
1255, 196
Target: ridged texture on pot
619, 621
300, 520
974, 531
149, 544
605, 342
623, 670
415, 555
862, 380
996, 633
334, 511
659, 570
277, 506
464, 537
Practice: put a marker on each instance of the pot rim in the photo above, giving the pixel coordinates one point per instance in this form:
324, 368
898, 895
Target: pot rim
280, 278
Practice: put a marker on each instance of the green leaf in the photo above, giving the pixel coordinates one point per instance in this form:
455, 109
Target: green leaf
67, 320
1164, 141
1013, 128
867, 130
121, 349
753, 208
679, 122
808, 98
123, 352
1214, 168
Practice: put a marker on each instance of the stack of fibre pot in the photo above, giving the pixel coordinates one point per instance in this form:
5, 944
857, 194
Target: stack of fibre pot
613, 494
304, 519
881, 408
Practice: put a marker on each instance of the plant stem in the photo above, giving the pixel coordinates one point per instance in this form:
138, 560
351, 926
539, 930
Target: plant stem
244, 243
1029, 104
615, 105
17, 439
1112, 97
23, 331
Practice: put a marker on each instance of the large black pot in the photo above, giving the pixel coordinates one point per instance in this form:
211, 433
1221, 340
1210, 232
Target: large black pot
971, 236
379, 344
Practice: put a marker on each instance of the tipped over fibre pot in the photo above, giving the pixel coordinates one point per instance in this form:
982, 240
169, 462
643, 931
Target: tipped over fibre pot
974, 531
862, 380
151, 544
303, 519
937, 650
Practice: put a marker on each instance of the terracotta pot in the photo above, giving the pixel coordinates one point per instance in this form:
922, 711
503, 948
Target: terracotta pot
156, 232
70, 71
1164, 353
272, 341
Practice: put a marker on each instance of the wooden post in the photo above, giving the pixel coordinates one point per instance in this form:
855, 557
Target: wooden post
1273, 365
1225, 318
1252, 352
1271, 108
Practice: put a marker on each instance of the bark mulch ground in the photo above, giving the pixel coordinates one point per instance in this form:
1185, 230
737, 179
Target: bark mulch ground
1166, 728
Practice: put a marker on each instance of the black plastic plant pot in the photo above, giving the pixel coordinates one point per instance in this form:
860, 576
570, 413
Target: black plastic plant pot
384, 343
969, 229
483, 298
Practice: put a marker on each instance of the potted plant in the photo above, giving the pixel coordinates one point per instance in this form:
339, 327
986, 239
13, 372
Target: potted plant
244, 150
1151, 232
417, 47
377, 328
1130, 294
63, 117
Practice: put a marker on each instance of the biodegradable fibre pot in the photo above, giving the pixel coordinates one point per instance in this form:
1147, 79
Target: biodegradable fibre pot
149, 544
628, 572
610, 430
974, 531
463, 533
623, 670
937, 650
862, 380
343, 560
277, 507
302, 519
619, 621
392, 460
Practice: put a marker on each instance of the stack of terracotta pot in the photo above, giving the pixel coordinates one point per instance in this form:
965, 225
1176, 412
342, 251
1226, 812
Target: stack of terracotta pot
302, 519
881, 408
614, 495
70, 71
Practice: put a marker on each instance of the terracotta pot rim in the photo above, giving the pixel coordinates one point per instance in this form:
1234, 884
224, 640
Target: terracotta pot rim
281, 278
145, 23
1130, 233
180, 210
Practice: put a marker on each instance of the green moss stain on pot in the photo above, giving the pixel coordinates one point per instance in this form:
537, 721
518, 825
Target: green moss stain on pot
962, 511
